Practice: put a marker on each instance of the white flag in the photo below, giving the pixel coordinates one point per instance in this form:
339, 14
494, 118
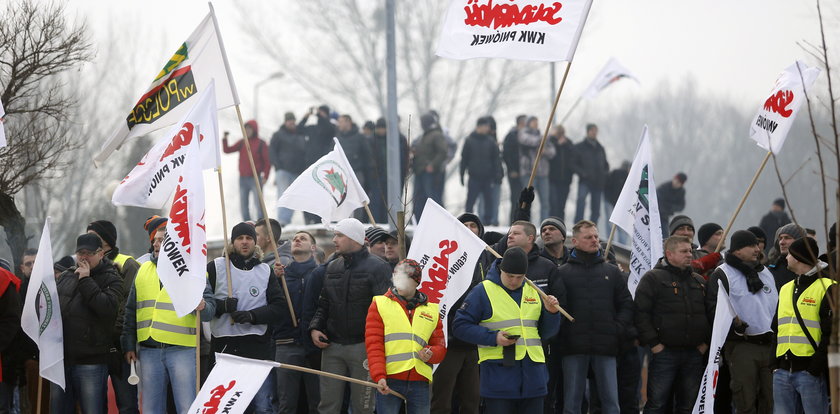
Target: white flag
151, 182
724, 314
2, 129
231, 385
194, 65
183, 253
637, 213
610, 73
41, 318
447, 251
772, 123
541, 30
328, 188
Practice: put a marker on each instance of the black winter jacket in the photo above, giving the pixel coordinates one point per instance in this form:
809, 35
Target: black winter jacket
298, 275
671, 308
591, 164
350, 283
319, 138
560, 166
598, 299
287, 150
781, 273
481, 158
671, 200
510, 151
357, 149
89, 309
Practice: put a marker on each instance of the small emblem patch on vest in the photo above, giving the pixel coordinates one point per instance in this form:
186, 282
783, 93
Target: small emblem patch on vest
254, 291
766, 289
530, 300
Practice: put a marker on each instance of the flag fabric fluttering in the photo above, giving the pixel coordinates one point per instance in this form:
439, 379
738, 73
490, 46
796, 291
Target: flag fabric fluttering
724, 314
328, 188
612, 71
448, 252
538, 30
231, 385
183, 253
637, 213
151, 182
196, 62
770, 126
41, 317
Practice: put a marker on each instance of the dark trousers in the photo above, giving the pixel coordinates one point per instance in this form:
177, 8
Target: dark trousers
427, 185
481, 186
515, 184
457, 375
524, 406
674, 377
585, 190
558, 194
629, 365
554, 364
751, 377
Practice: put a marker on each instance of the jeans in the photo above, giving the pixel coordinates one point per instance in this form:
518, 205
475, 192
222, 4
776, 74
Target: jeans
7, 397
426, 185
263, 402
247, 187
674, 377
288, 381
796, 391
125, 393
86, 385
524, 406
559, 194
283, 179
575, 369
162, 367
542, 189
585, 190
348, 360
479, 186
415, 392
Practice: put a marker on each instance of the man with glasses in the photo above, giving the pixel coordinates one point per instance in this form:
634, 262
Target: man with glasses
90, 295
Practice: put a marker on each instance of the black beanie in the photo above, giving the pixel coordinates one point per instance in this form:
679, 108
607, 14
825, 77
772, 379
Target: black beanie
243, 228
106, 230
741, 239
515, 261
759, 233
799, 249
706, 232
679, 221
463, 218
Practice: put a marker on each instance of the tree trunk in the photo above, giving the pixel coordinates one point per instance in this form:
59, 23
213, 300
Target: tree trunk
15, 226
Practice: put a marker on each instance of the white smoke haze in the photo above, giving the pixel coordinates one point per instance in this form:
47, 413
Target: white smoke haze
401, 280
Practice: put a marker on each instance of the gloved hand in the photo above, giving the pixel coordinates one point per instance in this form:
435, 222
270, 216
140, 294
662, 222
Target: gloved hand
526, 196
243, 317
226, 305
739, 326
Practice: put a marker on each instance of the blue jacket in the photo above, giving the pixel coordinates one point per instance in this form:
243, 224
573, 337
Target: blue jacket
297, 277
526, 379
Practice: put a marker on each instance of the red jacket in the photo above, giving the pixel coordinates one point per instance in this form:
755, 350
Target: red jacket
375, 344
259, 150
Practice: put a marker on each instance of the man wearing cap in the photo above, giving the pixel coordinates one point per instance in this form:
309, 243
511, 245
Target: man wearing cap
127, 267
246, 308
777, 261
152, 225
403, 339
804, 329
379, 185
378, 244
162, 343
708, 236
262, 166
749, 347
774, 219
480, 158
429, 163
351, 281
90, 296
508, 321
682, 225
286, 151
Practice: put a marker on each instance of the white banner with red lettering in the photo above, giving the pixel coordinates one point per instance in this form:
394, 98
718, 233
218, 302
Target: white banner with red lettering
541, 30
448, 252
724, 314
183, 254
772, 123
151, 182
231, 385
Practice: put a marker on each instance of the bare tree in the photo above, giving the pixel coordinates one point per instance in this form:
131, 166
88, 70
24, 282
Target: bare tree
37, 46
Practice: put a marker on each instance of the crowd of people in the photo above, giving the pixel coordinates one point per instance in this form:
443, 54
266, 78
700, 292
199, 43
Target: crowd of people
358, 312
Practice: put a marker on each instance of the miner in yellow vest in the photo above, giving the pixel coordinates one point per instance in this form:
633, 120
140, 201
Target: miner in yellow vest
166, 351
403, 339
804, 318
508, 321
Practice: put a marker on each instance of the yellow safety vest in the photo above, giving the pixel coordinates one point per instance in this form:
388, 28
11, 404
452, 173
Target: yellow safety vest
516, 319
404, 339
120, 260
156, 316
791, 337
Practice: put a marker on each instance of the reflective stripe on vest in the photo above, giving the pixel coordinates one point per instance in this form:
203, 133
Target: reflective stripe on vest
404, 339
156, 316
516, 319
791, 337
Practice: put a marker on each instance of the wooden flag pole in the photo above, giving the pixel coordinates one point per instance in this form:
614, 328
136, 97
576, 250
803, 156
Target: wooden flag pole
548, 125
40, 390
369, 214
224, 230
743, 200
246, 139
198, 351
609, 241
542, 294
334, 376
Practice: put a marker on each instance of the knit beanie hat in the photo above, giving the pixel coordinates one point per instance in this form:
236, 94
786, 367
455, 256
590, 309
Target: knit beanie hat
792, 230
467, 217
759, 233
64, 263
515, 261
352, 228
412, 269
779, 202
106, 230
805, 250
243, 229
679, 221
706, 232
375, 235
741, 239
556, 222
152, 225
